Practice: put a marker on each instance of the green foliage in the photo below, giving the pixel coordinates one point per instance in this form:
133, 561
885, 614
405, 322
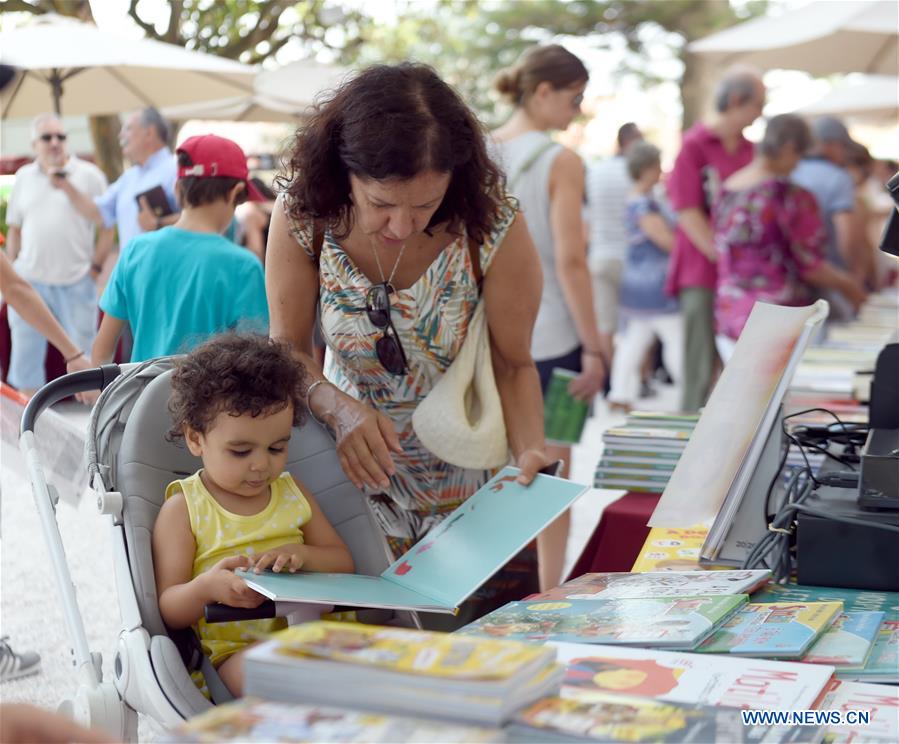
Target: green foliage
254, 30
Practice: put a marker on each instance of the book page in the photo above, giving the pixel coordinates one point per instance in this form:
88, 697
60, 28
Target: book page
477, 539
733, 416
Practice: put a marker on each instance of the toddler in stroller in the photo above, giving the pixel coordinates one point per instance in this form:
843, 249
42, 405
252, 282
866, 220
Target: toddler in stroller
235, 400
130, 461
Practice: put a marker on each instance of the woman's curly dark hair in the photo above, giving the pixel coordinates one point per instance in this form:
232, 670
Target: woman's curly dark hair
392, 121
237, 374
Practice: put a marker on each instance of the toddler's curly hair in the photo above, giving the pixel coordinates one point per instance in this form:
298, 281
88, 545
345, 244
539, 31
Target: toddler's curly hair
237, 374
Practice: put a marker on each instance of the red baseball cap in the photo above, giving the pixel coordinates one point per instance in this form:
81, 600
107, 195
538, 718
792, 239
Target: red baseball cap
217, 157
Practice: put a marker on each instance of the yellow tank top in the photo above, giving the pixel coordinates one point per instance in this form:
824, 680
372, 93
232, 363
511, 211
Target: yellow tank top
220, 534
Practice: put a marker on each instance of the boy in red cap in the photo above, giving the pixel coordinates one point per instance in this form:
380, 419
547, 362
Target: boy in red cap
184, 283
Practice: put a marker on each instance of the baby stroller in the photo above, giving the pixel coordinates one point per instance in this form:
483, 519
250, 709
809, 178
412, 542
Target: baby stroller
130, 462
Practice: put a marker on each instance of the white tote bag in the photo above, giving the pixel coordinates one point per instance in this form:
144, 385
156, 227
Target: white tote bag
461, 419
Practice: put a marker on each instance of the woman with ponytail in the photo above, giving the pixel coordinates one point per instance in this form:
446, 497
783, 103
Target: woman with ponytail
547, 87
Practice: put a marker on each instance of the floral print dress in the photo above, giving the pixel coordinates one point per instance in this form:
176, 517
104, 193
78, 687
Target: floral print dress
767, 238
431, 318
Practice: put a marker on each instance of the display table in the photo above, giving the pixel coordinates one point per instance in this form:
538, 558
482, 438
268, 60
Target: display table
619, 536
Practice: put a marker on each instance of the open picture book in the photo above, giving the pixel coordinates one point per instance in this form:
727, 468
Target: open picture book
445, 567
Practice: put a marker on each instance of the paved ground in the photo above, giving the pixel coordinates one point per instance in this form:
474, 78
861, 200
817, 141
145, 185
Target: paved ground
32, 617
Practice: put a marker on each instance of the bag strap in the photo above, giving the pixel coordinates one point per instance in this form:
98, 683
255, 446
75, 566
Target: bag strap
529, 163
318, 239
474, 253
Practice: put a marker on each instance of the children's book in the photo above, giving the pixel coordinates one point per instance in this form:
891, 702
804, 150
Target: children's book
401, 671
446, 566
643, 454
848, 642
660, 418
881, 702
253, 720
667, 622
662, 584
671, 549
782, 630
650, 438
697, 679
611, 464
854, 600
883, 663
617, 718
564, 415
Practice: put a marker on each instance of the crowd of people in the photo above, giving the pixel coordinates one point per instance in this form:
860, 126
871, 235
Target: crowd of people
383, 240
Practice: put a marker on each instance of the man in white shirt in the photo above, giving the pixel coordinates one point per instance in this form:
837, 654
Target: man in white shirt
608, 187
54, 248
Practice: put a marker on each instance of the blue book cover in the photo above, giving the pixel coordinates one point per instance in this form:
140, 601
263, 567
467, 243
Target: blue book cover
776, 630
854, 600
848, 641
660, 622
445, 567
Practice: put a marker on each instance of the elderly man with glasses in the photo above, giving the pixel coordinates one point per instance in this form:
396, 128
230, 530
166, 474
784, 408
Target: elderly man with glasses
54, 247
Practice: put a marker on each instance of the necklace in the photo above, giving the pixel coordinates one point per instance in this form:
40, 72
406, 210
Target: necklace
388, 282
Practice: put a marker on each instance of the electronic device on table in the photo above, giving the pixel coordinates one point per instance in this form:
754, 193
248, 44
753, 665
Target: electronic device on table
836, 524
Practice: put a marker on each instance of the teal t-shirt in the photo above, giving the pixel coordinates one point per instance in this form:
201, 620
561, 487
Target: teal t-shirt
177, 288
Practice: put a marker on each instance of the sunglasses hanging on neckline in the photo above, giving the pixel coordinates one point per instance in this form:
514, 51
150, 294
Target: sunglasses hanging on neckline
388, 347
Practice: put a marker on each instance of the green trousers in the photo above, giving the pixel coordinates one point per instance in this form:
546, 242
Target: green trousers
697, 309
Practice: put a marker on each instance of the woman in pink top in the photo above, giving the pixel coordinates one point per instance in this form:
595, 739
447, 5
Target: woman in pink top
769, 236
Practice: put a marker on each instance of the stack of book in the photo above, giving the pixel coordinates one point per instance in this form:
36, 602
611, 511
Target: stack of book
662, 610
252, 720
850, 646
401, 672
641, 455
615, 718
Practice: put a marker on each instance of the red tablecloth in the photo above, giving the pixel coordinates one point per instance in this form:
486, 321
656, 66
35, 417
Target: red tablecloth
617, 539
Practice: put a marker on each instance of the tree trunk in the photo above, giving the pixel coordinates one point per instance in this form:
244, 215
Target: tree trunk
105, 136
694, 90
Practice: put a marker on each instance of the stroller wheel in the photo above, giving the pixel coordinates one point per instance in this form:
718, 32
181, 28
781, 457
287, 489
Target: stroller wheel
102, 707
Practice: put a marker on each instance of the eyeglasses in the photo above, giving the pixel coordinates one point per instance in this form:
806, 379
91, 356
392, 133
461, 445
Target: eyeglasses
61, 136
388, 347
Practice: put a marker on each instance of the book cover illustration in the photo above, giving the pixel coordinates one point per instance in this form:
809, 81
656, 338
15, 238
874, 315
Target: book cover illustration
881, 701
671, 549
883, 663
617, 718
696, 679
564, 415
776, 629
431, 575
253, 720
854, 600
413, 652
847, 642
673, 622
661, 584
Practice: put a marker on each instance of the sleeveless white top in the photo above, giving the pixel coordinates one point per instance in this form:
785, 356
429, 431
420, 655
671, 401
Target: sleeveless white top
554, 330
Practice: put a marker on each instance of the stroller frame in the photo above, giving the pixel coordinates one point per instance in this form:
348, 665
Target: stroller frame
150, 675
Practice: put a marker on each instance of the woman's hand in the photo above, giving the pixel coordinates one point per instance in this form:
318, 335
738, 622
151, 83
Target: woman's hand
531, 462
592, 378
365, 437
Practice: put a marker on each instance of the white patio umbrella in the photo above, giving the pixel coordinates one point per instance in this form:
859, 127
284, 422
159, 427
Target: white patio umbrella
821, 38
282, 95
875, 97
75, 68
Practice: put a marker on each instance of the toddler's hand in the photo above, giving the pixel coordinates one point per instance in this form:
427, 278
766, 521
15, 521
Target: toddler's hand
290, 557
229, 588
